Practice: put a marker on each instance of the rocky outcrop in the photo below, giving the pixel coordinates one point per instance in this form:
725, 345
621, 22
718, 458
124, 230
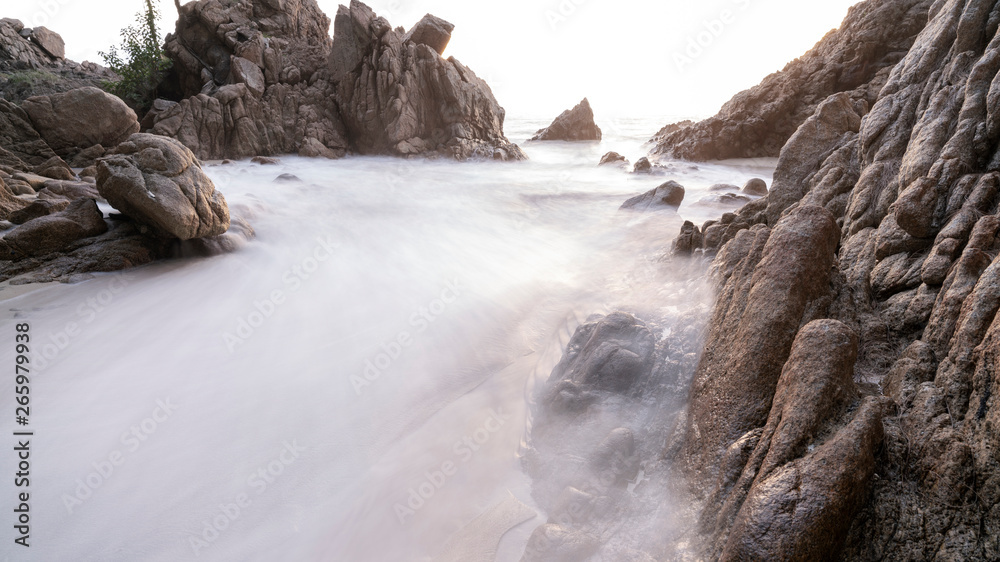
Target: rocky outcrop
81, 119
913, 189
400, 97
51, 233
264, 78
32, 63
158, 182
855, 59
575, 124
251, 80
668, 195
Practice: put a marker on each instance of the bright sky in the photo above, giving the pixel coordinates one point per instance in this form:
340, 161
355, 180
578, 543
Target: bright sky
669, 58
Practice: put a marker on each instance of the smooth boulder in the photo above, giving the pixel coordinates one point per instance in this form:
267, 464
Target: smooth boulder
159, 183
81, 118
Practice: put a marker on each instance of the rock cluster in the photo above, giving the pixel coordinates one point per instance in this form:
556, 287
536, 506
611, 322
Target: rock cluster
847, 402
32, 63
264, 77
855, 59
397, 95
575, 124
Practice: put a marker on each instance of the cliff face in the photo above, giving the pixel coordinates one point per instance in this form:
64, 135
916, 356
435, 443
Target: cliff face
895, 215
856, 58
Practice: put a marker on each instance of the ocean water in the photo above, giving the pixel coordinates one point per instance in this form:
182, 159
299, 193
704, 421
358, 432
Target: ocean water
353, 384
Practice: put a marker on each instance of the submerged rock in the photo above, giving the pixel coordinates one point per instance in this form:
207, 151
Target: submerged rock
669, 194
614, 159
158, 182
575, 124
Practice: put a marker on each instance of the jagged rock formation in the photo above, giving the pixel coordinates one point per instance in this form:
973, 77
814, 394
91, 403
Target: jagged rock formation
575, 124
251, 80
911, 189
855, 59
399, 96
264, 77
32, 63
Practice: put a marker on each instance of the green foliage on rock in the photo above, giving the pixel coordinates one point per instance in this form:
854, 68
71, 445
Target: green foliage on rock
139, 61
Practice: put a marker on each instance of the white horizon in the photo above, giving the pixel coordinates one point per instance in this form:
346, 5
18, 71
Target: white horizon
630, 58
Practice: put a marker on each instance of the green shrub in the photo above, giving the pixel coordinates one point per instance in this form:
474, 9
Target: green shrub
139, 61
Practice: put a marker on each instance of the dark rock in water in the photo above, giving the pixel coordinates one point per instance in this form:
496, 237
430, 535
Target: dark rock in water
554, 543
670, 194
287, 178
615, 159
755, 187
855, 59
47, 234
689, 240
643, 166
160, 184
610, 354
431, 31
733, 199
425, 104
723, 187
575, 124
265, 161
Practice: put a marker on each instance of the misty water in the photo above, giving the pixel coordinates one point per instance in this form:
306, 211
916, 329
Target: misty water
379, 339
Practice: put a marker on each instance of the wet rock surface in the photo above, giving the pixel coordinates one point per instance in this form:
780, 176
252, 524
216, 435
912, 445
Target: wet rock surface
668, 195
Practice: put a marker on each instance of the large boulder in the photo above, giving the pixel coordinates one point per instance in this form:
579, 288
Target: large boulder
575, 124
856, 58
431, 31
420, 103
81, 118
159, 183
50, 42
